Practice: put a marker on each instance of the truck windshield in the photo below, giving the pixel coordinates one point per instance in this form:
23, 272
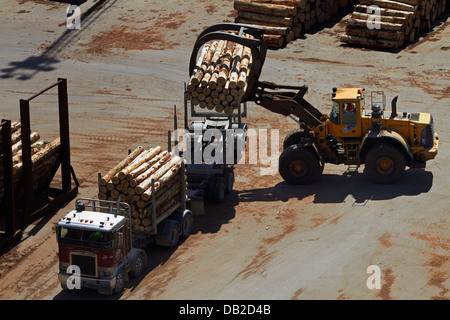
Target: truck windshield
85, 238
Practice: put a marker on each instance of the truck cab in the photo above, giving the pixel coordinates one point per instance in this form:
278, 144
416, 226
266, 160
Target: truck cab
97, 247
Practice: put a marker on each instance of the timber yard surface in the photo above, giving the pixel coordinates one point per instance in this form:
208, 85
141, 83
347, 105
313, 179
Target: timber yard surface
126, 67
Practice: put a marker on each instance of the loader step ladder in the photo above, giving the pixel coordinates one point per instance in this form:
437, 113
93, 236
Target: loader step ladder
351, 150
352, 169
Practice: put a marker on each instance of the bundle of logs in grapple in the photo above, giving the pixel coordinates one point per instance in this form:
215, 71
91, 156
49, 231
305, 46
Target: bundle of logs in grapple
390, 24
284, 20
130, 181
43, 157
219, 79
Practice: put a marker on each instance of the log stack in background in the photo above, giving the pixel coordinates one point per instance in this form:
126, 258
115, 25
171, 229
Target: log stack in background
43, 157
130, 180
400, 22
285, 20
219, 79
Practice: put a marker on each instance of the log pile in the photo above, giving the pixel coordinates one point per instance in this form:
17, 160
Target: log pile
43, 157
219, 79
399, 22
131, 181
285, 20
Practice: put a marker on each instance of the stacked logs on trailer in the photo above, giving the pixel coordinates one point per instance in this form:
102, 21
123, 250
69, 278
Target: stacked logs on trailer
130, 181
398, 22
285, 20
43, 157
219, 79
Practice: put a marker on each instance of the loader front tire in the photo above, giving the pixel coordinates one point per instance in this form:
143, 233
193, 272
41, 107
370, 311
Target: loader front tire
385, 163
294, 137
299, 165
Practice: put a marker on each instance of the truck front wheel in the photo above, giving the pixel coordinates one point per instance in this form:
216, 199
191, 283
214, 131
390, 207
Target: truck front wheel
138, 262
120, 282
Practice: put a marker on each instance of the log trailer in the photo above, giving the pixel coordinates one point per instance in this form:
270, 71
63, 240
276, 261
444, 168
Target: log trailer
211, 179
384, 141
98, 237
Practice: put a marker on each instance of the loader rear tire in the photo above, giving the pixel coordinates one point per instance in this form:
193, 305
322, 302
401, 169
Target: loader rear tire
385, 163
299, 165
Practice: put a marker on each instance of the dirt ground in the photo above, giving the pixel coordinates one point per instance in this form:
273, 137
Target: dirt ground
126, 67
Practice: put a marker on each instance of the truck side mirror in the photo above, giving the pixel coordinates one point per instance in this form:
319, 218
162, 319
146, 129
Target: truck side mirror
118, 238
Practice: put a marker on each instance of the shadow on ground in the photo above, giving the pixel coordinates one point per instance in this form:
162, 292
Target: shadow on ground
47, 60
336, 188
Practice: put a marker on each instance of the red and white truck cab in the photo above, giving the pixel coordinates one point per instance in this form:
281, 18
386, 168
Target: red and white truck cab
100, 245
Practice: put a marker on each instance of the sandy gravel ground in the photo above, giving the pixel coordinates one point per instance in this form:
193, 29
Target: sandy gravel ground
125, 69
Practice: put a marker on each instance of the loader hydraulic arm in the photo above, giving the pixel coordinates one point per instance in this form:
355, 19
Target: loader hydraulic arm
287, 102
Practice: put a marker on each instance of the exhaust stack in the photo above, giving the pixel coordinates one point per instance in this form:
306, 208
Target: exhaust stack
394, 107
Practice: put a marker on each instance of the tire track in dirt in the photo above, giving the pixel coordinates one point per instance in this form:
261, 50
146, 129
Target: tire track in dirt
438, 263
388, 280
266, 252
24, 269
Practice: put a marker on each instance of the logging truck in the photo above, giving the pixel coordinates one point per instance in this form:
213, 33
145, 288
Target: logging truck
352, 134
102, 240
101, 243
99, 248
104, 245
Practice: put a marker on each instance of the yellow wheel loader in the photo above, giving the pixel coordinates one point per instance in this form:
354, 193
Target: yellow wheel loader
386, 142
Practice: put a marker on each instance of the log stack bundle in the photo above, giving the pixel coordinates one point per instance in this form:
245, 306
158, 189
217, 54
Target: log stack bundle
219, 79
44, 155
399, 22
131, 181
285, 20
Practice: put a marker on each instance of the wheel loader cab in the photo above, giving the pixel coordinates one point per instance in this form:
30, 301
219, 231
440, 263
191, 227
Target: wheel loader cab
345, 116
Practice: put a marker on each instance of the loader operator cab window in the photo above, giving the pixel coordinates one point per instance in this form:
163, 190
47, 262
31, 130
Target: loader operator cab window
349, 113
334, 115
